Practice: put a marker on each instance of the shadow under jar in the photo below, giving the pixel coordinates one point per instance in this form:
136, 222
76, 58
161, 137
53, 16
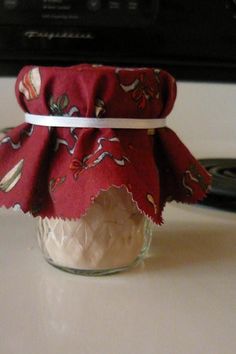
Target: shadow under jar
112, 236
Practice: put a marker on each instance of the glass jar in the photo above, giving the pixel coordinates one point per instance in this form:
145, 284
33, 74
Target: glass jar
113, 236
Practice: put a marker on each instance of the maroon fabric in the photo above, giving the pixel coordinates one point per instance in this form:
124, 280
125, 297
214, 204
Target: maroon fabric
57, 172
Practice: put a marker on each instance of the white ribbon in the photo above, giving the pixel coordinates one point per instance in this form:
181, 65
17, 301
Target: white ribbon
84, 122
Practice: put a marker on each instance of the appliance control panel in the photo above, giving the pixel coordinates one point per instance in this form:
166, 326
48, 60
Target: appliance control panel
105, 13
192, 39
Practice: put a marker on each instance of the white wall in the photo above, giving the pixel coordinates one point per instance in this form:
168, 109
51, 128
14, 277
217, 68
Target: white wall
205, 117
10, 113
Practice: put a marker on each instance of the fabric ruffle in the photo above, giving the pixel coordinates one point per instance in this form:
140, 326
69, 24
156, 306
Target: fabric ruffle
57, 172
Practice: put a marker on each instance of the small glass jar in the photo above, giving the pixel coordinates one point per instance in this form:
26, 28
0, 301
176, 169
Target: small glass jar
113, 236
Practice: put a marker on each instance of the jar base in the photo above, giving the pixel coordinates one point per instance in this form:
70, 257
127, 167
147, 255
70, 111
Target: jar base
102, 242
106, 271
95, 272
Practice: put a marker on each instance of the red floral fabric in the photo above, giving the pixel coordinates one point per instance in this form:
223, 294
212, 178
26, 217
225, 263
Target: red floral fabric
57, 172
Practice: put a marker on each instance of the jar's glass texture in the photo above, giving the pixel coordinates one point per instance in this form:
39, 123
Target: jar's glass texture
111, 237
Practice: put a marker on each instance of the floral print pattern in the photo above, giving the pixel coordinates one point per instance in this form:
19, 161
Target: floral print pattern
57, 107
97, 156
142, 91
30, 84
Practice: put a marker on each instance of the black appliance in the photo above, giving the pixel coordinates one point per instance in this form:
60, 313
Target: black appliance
192, 39
222, 193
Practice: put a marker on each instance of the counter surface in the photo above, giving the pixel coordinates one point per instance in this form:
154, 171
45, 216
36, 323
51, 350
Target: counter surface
181, 300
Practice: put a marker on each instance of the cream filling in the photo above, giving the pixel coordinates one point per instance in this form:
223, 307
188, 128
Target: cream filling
110, 235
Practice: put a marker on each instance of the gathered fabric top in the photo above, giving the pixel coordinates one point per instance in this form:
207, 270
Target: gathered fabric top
57, 171
96, 91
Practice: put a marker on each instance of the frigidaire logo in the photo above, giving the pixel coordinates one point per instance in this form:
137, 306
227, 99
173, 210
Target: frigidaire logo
59, 35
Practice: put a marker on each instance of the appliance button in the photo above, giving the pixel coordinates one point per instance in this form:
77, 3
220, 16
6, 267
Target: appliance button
133, 5
230, 5
114, 5
94, 5
10, 4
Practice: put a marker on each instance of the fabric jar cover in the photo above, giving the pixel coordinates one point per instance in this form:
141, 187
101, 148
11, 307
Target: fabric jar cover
58, 171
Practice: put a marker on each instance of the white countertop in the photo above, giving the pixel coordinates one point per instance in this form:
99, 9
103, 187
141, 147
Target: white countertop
182, 300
